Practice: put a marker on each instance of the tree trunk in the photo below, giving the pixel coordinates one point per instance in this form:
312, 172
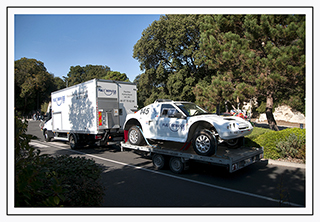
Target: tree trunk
271, 121
218, 109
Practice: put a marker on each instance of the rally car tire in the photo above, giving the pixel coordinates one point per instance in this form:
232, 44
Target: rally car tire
235, 143
134, 136
204, 143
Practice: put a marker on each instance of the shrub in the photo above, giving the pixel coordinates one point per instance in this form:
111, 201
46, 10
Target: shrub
35, 185
47, 181
293, 147
269, 141
81, 179
257, 131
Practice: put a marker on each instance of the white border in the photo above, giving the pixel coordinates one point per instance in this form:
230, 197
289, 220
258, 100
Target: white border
183, 211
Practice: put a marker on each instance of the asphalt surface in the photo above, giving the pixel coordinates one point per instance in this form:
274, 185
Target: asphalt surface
131, 181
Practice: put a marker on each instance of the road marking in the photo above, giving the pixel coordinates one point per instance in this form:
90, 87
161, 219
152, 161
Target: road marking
177, 177
37, 144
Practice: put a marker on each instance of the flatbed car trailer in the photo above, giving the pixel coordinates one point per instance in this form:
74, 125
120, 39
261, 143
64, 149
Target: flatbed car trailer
232, 159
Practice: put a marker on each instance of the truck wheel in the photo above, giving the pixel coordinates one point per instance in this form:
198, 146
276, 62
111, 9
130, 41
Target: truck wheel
134, 135
158, 161
176, 165
73, 141
47, 138
204, 143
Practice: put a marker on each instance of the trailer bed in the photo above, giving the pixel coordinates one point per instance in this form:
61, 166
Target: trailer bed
233, 159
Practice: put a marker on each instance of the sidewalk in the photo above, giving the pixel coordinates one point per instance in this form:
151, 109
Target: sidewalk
284, 163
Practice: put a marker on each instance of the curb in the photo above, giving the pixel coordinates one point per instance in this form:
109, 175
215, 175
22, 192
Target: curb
287, 164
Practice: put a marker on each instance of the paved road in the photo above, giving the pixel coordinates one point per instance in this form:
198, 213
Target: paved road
130, 181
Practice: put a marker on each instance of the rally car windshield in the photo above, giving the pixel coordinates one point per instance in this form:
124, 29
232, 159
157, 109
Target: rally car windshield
191, 109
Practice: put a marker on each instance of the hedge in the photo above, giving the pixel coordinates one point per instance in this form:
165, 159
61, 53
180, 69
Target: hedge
53, 181
271, 141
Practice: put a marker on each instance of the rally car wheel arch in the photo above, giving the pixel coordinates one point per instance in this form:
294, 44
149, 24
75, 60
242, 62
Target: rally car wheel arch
135, 136
204, 143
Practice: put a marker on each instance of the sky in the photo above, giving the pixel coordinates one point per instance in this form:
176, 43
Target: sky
62, 41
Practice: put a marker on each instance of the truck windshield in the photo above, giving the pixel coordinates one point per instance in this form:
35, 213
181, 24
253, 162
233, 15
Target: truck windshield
191, 109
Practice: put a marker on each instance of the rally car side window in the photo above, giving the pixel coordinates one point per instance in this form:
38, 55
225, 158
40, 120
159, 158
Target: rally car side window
167, 110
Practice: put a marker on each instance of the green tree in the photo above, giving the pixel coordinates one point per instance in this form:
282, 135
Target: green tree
80, 74
254, 55
117, 76
33, 84
168, 53
59, 83
225, 52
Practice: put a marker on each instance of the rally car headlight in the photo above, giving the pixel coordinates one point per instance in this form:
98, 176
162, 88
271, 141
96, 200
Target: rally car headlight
231, 126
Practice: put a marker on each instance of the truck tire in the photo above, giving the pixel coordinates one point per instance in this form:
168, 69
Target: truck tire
158, 161
73, 142
204, 143
134, 136
176, 165
47, 138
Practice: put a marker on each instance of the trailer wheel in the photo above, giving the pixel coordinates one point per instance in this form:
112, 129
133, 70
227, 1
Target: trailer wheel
47, 138
204, 143
176, 165
134, 135
158, 161
73, 142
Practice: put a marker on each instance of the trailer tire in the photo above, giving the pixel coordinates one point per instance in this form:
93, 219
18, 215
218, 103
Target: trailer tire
47, 137
176, 165
158, 161
135, 136
204, 143
73, 142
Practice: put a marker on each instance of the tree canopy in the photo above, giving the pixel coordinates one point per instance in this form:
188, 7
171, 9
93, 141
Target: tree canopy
79, 74
213, 58
254, 56
33, 84
168, 52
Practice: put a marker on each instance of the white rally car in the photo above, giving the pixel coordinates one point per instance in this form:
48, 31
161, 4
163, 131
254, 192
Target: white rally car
187, 123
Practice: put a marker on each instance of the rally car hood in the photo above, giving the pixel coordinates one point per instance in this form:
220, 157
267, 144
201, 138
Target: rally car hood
214, 118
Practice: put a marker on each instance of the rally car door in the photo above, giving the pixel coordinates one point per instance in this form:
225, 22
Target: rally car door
169, 126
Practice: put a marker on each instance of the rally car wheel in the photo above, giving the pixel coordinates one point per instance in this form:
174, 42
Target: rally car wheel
134, 135
204, 143
233, 143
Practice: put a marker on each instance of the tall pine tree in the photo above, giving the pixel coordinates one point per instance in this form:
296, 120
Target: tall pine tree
254, 56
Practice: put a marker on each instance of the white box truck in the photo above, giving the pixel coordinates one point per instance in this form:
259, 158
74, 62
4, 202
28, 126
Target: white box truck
90, 113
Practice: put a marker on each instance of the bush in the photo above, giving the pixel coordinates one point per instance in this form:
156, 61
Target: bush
46, 181
293, 147
80, 178
270, 140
